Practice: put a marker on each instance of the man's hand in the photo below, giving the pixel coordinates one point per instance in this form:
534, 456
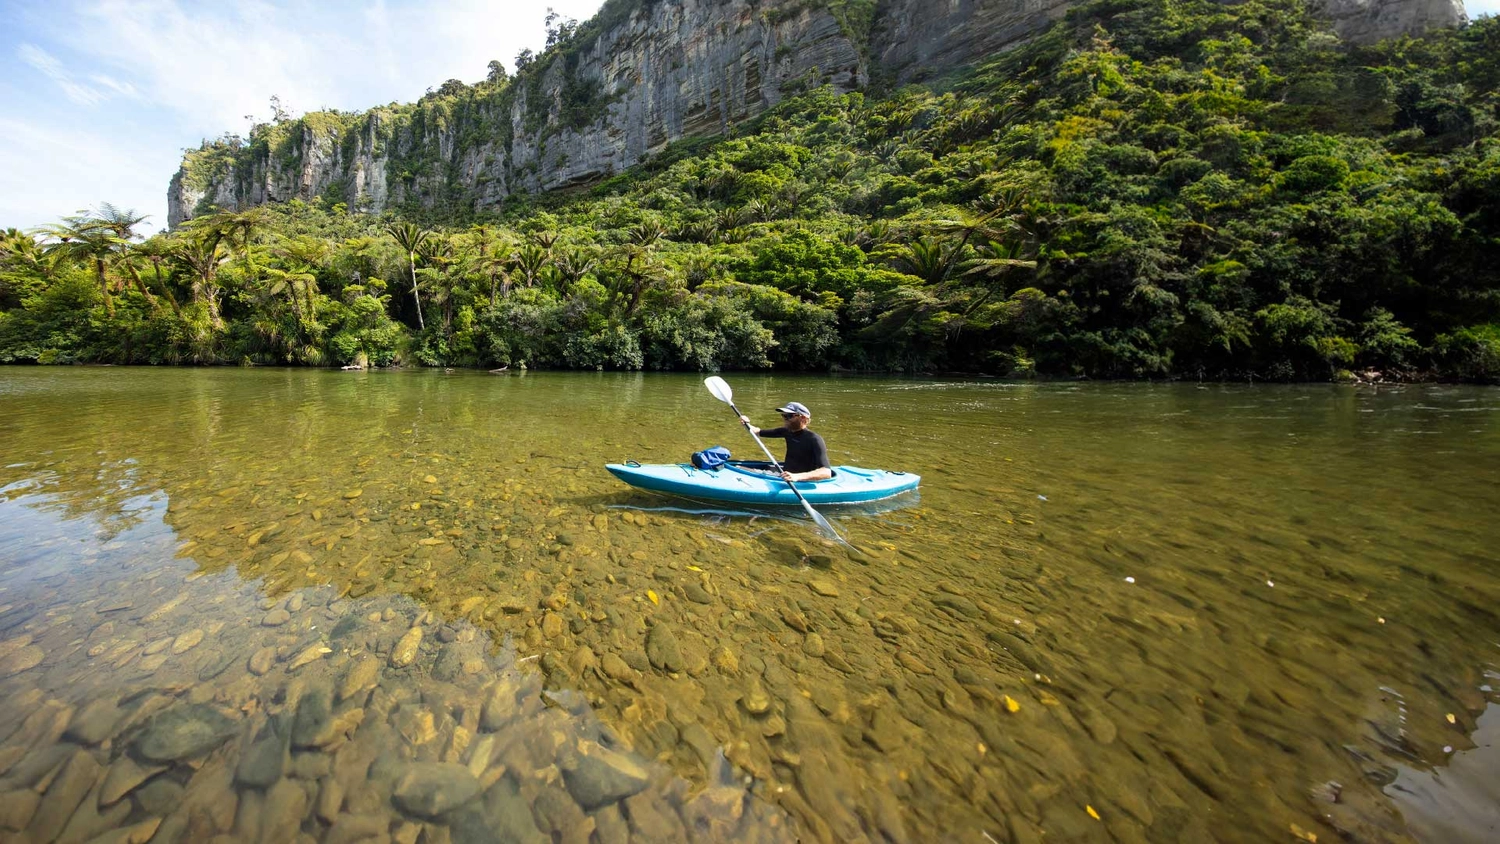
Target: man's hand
789, 476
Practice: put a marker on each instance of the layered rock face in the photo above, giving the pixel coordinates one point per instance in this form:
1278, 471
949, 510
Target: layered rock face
1367, 21
675, 70
656, 71
916, 38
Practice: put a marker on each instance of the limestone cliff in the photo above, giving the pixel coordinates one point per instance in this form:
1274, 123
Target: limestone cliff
641, 74
917, 38
1365, 21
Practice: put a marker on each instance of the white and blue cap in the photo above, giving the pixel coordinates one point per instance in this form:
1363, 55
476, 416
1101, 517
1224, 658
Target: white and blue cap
796, 407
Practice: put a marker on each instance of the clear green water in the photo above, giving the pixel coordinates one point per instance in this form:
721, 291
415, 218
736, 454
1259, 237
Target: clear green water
1315, 582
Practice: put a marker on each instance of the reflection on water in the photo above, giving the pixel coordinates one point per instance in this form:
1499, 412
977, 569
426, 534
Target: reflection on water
407, 606
1459, 801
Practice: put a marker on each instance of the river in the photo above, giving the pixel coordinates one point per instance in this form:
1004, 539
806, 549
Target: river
413, 606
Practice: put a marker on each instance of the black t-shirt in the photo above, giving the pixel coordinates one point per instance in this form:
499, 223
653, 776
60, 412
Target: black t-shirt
805, 450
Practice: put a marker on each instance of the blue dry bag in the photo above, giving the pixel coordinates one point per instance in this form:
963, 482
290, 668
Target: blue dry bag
711, 458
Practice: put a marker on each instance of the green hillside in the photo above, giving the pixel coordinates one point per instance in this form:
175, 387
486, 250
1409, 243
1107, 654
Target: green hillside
1154, 188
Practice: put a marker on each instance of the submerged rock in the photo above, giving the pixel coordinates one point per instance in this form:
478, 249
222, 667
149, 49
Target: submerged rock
286, 803
314, 713
17, 808
362, 675
184, 732
794, 619
501, 815
21, 659
724, 660
310, 654
912, 663
662, 649
958, 604
159, 796
597, 776
756, 701
95, 722
187, 641
261, 764
262, 660
68, 789
714, 815
615, 668
583, 661
431, 789
552, 625
826, 588
405, 651
124, 777
652, 819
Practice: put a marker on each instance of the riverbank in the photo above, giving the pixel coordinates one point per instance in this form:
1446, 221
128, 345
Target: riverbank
1367, 377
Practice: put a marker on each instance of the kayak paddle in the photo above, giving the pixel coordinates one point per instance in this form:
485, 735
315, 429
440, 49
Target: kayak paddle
721, 391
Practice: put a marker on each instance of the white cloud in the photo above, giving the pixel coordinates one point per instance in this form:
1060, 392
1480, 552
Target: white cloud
55, 172
213, 64
53, 69
124, 89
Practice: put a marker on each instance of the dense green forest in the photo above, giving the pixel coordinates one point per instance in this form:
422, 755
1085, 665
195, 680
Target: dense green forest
1154, 188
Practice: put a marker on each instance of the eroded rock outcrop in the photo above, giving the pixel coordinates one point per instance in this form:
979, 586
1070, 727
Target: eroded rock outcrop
1368, 21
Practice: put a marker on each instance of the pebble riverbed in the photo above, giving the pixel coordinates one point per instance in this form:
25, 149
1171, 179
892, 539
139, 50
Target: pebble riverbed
395, 635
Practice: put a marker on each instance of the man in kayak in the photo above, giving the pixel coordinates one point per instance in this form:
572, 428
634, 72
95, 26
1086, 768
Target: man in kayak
806, 453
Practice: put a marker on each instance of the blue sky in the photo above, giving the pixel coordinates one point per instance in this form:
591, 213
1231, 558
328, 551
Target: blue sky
101, 96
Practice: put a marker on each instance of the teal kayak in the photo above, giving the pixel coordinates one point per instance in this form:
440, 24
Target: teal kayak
752, 482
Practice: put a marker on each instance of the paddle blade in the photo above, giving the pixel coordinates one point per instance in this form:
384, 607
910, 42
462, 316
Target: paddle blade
822, 523
720, 388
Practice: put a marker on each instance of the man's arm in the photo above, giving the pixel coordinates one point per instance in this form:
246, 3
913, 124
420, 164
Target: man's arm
822, 473
768, 433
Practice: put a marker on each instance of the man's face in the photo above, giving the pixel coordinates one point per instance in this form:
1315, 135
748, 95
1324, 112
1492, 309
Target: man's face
795, 422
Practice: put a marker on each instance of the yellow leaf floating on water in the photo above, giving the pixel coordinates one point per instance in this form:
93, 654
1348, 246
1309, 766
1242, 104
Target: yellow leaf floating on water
1047, 700
1093, 814
1304, 834
652, 595
1451, 719
694, 568
1010, 704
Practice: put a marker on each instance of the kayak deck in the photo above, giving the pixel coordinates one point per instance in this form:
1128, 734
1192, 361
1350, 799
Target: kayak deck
754, 482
